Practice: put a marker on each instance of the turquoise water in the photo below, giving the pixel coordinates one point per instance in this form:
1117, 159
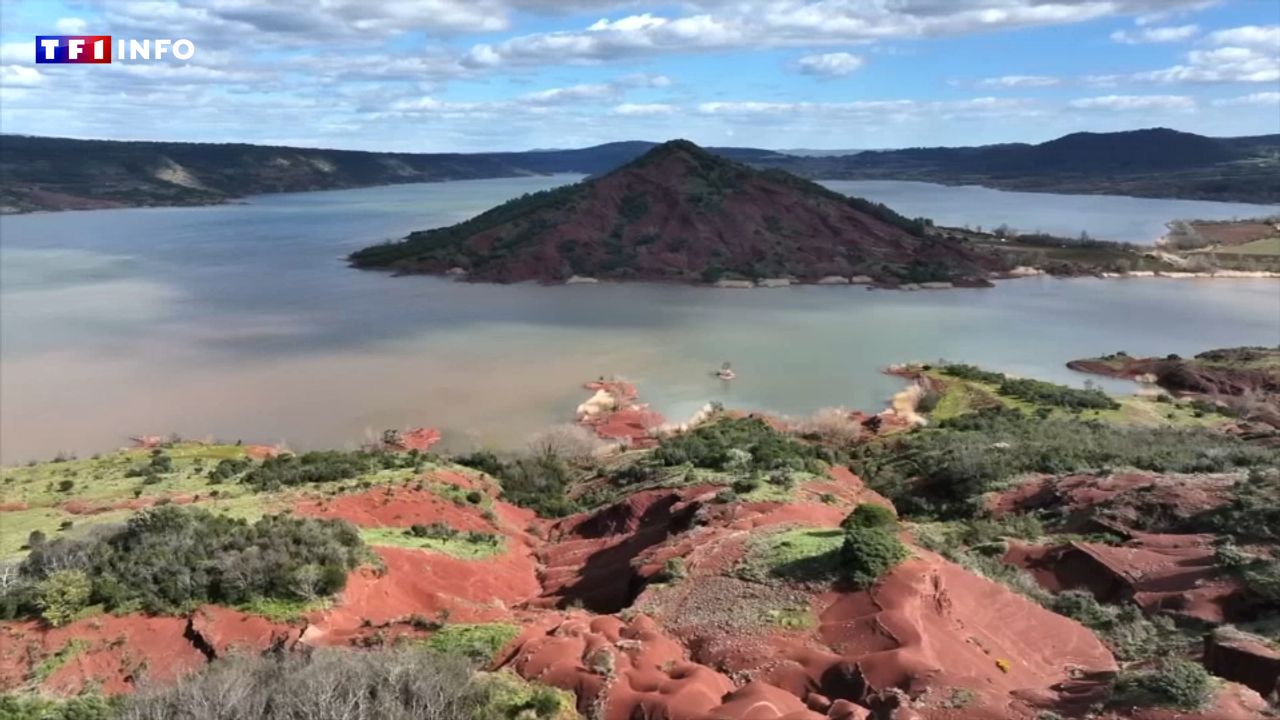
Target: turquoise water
243, 322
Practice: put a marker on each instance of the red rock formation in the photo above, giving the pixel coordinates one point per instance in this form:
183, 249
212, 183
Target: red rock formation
1248, 661
1176, 574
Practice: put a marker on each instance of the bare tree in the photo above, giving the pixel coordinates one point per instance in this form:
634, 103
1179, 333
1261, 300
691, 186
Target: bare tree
570, 442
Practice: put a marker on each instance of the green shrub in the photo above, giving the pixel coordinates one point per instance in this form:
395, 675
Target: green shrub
167, 559
1129, 633
478, 643
870, 515
84, 707
321, 466
944, 470
739, 445
62, 595
867, 553
539, 482
1176, 683
673, 570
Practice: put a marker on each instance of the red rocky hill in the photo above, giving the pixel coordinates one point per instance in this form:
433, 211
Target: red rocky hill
681, 213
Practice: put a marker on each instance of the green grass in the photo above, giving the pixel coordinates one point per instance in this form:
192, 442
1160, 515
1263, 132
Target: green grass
960, 396
54, 662
459, 546
479, 643
105, 478
281, 610
795, 618
799, 554
104, 481
1261, 246
511, 696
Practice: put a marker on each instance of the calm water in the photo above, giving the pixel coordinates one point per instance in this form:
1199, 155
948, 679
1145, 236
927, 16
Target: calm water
243, 322
1107, 217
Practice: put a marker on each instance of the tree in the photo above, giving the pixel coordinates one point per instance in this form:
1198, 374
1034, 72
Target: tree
869, 552
870, 515
62, 596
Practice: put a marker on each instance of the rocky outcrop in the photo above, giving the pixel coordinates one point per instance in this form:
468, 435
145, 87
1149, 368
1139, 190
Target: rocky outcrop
681, 213
1245, 659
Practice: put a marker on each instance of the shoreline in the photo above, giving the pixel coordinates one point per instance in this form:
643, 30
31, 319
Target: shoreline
860, 281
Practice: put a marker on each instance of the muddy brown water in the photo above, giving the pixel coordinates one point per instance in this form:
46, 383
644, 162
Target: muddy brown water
242, 322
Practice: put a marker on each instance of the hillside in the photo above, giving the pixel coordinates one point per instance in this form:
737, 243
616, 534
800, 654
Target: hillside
43, 173
38, 173
682, 213
1156, 162
1059, 553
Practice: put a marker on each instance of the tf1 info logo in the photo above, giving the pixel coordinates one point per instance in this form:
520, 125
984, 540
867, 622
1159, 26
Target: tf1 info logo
96, 49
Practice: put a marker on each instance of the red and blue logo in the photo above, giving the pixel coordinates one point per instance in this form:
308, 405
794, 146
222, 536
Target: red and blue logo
73, 49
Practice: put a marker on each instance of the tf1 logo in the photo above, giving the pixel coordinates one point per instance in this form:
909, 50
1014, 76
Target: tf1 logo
96, 49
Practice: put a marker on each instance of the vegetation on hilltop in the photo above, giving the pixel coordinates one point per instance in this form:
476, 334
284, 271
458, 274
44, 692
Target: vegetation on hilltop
944, 470
170, 559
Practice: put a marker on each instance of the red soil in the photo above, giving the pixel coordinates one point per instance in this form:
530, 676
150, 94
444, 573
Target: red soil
415, 439
626, 669
12, 506
119, 652
223, 631
627, 420
417, 582
262, 452
395, 506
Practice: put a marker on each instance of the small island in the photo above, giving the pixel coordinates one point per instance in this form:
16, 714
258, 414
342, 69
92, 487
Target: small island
681, 213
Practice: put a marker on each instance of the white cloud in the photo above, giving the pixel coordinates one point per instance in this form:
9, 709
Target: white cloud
1019, 81
898, 110
1249, 54
71, 26
19, 76
829, 64
1258, 98
1155, 34
639, 109
1135, 102
729, 24
1262, 36
1220, 65
573, 93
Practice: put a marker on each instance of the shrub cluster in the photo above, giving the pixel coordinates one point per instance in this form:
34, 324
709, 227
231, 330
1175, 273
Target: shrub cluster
442, 531
943, 470
867, 553
539, 482
1033, 391
1129, 633
169, 558
1176, 683
739, 445
323, 466
407, 683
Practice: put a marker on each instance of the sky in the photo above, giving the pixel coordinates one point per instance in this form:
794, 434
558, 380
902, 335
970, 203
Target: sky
477, 75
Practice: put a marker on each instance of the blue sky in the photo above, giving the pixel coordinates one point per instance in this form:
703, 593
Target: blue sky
467, 75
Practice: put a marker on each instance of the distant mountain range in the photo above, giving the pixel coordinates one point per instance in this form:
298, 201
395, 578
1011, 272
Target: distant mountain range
682, 213
41, 173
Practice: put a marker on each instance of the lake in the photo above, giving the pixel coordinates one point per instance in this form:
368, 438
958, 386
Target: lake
243, 322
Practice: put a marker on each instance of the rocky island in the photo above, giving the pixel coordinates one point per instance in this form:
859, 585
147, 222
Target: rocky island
682, 213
